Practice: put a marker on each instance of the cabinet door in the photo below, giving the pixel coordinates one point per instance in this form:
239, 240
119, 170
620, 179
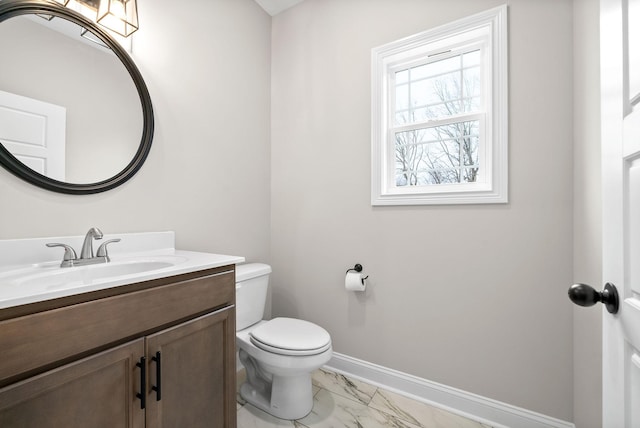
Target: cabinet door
97, 391
197, 373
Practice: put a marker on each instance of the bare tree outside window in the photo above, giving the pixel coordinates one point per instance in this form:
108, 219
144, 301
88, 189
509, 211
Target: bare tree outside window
440, 149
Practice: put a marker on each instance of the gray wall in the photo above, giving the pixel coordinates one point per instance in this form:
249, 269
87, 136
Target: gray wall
207, 176
470, 296
587, 204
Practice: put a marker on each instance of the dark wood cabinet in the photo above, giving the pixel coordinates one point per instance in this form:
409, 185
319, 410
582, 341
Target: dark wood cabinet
194, 363
91, 373
97, 391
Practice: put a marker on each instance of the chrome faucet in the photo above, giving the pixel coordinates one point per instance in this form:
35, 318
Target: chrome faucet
86, 254
87, 246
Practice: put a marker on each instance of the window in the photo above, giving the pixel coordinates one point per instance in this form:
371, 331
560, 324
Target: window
439, 115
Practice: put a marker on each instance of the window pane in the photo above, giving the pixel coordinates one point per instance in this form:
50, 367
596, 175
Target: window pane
443, 154
437, 155
469, 175
442, 110
402, 117
471, 104
402, 76
470, 151
471, 58
419, 114
438, 89
435, 68
441, 177
402, 97
441, 95
423, 93
471, 80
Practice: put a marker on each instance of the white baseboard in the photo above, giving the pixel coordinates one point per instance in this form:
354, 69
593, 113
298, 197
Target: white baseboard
485, 410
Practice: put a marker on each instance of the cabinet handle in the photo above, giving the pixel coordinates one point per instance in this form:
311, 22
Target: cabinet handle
143, 382
158, 387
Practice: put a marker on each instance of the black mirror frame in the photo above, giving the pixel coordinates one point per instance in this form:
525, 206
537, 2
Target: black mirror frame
12, 8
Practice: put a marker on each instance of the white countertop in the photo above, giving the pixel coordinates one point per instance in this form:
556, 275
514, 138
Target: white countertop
30, 272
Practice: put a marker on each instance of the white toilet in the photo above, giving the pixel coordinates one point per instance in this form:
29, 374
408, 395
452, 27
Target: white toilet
279, 355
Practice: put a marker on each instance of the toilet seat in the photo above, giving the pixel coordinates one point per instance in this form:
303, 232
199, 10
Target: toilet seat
289, 336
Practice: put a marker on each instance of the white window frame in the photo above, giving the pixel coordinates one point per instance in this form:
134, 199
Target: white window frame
487, 30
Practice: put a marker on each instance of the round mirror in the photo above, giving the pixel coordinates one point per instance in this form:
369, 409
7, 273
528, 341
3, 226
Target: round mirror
75, 113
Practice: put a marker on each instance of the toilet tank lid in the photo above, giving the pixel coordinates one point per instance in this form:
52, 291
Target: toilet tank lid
251, 270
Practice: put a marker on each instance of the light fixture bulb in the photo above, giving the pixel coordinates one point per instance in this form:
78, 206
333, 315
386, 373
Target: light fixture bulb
118, 9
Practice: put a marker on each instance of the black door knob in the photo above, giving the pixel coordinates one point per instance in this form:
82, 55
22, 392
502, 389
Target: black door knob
585, 295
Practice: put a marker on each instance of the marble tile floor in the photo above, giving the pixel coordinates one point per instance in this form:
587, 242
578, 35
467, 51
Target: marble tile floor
340, 401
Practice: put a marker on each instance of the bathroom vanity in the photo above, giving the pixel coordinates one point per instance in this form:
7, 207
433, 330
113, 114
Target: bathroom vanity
156, 352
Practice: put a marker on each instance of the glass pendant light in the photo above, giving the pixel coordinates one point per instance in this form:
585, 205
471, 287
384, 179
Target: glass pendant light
120, 16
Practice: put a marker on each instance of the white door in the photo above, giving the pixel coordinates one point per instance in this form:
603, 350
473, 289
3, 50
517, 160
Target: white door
34, 132
620, 85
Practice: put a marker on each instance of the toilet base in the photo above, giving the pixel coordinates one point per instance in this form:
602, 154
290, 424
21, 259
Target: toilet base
285, 397
289, 398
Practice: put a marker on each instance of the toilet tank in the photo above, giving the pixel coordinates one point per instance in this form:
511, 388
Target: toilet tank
252, 282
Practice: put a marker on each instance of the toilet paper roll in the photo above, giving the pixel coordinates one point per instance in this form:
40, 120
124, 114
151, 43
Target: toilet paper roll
354, 281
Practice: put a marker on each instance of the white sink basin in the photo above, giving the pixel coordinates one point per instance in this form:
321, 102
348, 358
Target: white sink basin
29, 282
50, 277
42, 278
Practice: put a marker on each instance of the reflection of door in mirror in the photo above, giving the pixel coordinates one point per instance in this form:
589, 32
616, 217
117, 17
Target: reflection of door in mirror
33, 131
103, 112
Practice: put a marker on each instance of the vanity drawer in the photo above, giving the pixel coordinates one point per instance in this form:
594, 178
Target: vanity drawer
35, 342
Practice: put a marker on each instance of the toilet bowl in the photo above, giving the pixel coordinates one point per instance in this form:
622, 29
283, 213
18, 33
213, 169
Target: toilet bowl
279, 355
